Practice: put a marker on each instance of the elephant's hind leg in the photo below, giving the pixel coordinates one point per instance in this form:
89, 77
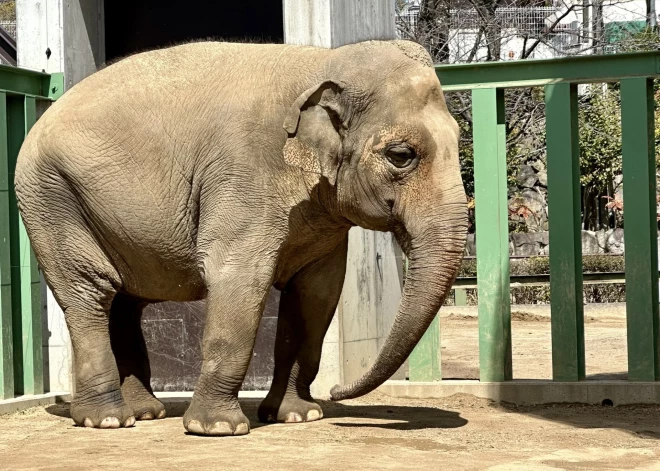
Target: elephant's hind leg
306, 309
130, 350
85, 295
84, 282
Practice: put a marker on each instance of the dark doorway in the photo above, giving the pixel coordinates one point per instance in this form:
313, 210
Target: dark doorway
136, 25
173, 331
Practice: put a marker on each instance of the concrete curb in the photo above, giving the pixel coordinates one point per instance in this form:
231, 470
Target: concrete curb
9, 406
186, 396
532, 391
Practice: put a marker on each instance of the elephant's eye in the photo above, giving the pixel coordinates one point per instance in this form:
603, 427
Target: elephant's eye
400, 155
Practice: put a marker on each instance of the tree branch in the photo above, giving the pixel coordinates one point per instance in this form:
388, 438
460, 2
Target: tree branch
549, 31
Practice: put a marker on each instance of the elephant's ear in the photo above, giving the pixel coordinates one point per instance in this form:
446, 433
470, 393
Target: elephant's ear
315, 125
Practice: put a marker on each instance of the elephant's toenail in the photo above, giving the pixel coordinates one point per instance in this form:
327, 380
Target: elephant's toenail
194, 426
147, 416
161, 414
242, 429
88, 422
129, 422
313, 415
110, 422
293, 417
220, 428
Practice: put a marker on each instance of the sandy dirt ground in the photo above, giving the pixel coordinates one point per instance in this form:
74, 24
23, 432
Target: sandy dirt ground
604, 331
375, 432
379, 432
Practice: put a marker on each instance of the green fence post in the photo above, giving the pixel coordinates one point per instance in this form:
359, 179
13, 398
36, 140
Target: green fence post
492, 221
460, 297
424, 363
567, 311
641, 248
26, 285
6, 340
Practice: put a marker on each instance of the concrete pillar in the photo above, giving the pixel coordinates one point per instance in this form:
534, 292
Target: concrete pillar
59, 36
372, 289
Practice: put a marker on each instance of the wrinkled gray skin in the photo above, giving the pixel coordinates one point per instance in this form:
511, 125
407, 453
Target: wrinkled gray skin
216, 171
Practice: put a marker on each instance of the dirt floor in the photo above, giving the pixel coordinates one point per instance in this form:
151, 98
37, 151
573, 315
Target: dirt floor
604, 331
376, 432
379, 432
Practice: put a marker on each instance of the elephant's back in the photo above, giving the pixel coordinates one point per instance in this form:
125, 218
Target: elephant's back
135, 142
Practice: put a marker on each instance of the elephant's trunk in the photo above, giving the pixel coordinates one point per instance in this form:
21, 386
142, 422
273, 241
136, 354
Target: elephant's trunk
435, 254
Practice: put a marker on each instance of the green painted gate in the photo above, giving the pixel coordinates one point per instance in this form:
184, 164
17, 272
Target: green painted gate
559, 77
21, 358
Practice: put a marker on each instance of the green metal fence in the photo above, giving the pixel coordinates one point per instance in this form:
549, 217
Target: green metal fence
21, 360
560, 77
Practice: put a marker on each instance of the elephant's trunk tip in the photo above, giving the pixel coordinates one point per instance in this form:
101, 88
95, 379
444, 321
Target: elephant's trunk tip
336, 393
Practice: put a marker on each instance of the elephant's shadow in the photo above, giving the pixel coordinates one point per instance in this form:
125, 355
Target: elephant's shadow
377, 416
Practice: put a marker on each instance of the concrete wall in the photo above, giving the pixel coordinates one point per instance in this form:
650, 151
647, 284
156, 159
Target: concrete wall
369, 301
372, 289
59, 36
334, 23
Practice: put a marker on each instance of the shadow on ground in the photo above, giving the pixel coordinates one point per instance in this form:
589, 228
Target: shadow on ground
397, 417
639, 420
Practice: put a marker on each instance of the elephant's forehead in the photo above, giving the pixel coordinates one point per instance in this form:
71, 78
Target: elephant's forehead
414, 88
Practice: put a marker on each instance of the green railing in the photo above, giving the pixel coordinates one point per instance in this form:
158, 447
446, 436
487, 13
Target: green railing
21, 359
560, 77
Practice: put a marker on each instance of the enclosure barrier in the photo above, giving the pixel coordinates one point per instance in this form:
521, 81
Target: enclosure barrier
21, 358
21, 91
559, 77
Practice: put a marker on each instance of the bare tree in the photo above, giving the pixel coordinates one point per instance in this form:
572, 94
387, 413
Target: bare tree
493, 30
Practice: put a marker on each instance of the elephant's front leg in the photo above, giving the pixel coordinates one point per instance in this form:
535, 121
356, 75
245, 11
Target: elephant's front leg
306, 309
236, 296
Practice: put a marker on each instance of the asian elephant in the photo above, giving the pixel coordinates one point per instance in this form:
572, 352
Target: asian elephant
217, 170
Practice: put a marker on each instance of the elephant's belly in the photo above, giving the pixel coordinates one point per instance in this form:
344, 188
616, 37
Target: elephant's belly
155, 260
164, 280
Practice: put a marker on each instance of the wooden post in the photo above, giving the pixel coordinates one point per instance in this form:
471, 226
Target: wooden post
6, 331
490, 181
639, 191
567, 314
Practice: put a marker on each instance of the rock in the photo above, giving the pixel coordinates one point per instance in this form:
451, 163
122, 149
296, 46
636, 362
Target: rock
615, 242
526, 177
527, 244
471, 246
531, 205
543, 178
534, 201
590, 243
538, 165
601, 238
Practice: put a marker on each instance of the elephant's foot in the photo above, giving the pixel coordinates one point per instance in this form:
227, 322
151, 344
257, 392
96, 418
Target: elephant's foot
216, 420
148, 409
105, 411
144, 404
290, 409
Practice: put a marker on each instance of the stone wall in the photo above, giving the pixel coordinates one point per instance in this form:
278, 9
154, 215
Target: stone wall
527, 244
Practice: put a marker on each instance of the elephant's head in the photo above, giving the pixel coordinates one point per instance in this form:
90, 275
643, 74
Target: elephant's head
377, 128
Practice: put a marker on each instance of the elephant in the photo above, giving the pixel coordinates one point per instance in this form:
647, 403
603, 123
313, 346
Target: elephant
217, 171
